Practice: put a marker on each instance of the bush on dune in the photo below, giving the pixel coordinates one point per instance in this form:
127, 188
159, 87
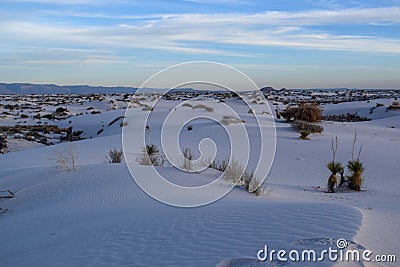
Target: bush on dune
308, 112
115, 156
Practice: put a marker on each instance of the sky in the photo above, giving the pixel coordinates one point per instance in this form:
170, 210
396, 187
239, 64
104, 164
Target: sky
279, 43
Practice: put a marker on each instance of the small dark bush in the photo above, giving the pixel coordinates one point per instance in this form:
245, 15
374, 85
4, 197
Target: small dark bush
3, 143
394, 106
115, 156
348, 117
61, 110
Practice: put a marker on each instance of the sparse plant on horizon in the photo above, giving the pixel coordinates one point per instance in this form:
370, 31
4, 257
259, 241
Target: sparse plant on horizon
334, 167
355, 167
115, 156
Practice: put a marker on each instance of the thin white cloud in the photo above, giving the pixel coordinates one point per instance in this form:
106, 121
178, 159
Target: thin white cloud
211, 34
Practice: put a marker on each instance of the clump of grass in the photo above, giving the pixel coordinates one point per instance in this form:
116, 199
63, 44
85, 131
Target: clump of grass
115, 156
219, 165
234, 172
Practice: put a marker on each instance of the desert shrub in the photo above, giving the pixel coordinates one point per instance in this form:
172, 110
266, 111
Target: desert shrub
60, 110
394, 106
187, 105
115, 156
303, 126
202, 106
309, 112
190, 127
379, 105
3, 143
228, 120
236, 173
65, 159
150, 156
187, 157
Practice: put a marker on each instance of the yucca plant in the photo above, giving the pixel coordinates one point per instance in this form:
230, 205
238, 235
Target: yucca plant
334, 168
356, 168
150, 156
355, 180
151, 150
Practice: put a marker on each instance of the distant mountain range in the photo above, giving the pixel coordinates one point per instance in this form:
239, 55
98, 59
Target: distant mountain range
28, 88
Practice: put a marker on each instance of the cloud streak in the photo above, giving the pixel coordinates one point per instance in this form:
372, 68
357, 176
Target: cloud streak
199, 33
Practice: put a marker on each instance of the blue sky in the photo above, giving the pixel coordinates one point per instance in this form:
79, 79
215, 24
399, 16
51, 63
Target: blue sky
286, 43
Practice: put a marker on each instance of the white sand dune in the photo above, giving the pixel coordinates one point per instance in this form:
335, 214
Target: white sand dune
98, 216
